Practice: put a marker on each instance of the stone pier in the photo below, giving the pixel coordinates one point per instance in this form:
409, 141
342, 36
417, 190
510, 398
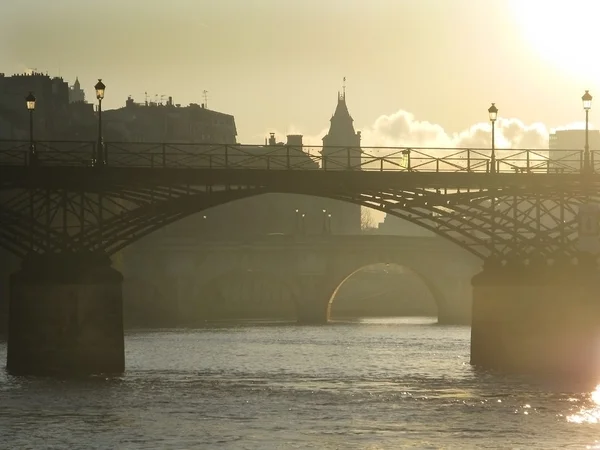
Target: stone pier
537, 319
65, 316
313, 299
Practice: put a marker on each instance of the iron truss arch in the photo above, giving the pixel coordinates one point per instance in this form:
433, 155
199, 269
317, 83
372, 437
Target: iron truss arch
506, 222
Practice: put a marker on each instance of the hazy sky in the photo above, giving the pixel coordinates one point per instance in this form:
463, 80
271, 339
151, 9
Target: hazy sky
424, 68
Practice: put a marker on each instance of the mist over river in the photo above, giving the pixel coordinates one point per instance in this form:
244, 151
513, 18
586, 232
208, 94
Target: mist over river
363, 384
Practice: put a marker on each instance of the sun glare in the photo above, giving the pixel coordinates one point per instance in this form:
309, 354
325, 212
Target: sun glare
564, 33
591, 414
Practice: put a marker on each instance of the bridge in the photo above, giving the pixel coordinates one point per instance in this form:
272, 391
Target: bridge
66, 207
305, 271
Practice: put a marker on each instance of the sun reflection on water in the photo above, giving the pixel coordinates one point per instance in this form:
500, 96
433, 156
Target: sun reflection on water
591, 414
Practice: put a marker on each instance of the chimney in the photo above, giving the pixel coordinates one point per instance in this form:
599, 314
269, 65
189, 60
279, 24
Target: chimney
272, 140
294, 140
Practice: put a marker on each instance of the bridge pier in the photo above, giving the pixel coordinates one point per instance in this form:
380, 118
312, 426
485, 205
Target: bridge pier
537, 319
313, 300
65, 316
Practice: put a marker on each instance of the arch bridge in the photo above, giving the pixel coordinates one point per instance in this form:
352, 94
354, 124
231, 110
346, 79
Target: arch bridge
310, 269
65, 207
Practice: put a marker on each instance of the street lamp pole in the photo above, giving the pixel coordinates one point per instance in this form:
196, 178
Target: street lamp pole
493, 112
297, 222
32, 155
587, 105
99, 157
328, 223
324, 221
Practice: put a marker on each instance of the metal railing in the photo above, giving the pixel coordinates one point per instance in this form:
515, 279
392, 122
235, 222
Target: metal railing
283, 157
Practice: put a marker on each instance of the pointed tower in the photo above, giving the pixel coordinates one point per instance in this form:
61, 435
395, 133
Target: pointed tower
341, 151
341, 145
76, 94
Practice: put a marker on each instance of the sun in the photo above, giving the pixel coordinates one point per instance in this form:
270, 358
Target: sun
566, 33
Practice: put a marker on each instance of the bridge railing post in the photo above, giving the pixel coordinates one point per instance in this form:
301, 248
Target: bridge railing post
468, 160
528, 161
592, 161
348, 158
287, 148
105, 156
226, 157
406, 153
164, 155
487, 166
152, 160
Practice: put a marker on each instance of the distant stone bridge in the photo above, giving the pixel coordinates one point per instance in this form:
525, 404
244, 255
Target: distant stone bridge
307, 270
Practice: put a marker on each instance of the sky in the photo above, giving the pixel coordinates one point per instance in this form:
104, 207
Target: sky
419, 72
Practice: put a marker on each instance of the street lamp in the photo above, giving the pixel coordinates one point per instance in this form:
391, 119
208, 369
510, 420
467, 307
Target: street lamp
99, 159
493, 112
328, 223
303, 224
587, 105
324, 221
297, 221
32, 156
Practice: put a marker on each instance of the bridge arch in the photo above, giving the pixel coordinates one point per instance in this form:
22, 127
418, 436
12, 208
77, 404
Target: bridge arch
135, 224
470, 219
434, 290
448, 282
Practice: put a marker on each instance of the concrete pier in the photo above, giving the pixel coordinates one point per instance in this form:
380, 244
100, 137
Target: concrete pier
537, 319
65, 316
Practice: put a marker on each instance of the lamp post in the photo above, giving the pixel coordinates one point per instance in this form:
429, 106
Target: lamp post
297, 221
303, 224
328, 223
493, 112
32, 155
587, 105
99, 157
324, 221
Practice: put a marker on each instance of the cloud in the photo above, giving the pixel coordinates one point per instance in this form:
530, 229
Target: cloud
402, 129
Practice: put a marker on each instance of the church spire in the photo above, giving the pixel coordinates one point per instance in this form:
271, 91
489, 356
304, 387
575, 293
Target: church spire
341, 131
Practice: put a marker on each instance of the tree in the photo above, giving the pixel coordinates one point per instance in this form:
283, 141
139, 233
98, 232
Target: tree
366, 220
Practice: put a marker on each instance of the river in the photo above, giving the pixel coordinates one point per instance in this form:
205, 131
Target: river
367, 384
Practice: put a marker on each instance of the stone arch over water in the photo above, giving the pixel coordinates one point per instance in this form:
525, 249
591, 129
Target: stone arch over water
385, 290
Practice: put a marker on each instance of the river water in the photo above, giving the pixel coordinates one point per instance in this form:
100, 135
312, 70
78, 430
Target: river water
367, 384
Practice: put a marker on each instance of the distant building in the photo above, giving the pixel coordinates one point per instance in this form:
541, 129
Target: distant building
52, 105
155, 122
566, 147
76, 94
342, 151
54, 118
